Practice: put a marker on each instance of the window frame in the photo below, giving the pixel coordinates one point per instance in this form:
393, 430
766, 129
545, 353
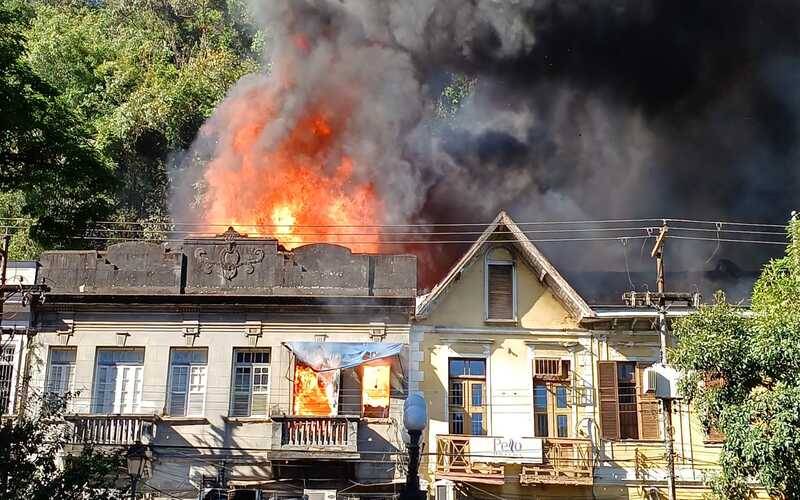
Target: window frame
117, 404
467, 409
252, 367
551, 410
647, 406
8, 395
70, 366
187, 392
489, 261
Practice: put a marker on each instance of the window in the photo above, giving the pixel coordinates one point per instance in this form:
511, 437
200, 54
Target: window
500, 285
7, 356
375, 390
467, 396
187, 382
118, 381
551, 410
626, 412
626, 389
61, 371
250, 389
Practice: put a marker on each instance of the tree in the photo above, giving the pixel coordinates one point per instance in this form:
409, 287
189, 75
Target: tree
45, 157
143, 75
743, 378
34, 466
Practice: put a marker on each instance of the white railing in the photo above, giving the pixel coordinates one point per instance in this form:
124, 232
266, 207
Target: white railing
317, 433
112, 429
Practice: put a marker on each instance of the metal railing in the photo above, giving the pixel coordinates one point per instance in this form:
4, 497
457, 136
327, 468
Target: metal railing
112, 429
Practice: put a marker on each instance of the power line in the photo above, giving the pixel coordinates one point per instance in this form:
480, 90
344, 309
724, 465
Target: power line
429, 224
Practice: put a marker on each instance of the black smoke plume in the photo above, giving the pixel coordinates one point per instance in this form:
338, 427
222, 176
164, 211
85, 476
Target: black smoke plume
588, 109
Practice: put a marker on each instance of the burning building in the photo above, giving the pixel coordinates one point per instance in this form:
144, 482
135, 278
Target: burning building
234, 352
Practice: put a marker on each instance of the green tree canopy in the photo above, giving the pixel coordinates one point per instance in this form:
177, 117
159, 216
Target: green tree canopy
142, 75
31, 467
754, 357
45, 157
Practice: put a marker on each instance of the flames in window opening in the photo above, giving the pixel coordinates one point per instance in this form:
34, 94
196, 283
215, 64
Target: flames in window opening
315, 393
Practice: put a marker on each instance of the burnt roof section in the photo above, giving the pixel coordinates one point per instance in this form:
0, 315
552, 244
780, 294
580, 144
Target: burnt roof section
230, 264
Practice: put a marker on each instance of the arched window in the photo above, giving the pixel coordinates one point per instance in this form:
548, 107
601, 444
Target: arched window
501, 284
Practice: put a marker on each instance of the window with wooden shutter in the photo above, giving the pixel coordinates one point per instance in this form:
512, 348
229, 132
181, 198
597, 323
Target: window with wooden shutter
187, 382
649, 409
118, 381
250, 388
626, 411
61, 371
500, 290
609, 402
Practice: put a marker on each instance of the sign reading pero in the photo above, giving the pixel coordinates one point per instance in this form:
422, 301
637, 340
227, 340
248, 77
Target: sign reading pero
509, 450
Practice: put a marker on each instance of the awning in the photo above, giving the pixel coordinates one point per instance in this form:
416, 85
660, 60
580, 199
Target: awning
325, 356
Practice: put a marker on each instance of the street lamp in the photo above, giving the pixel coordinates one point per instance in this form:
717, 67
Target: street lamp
137, 456
415, 417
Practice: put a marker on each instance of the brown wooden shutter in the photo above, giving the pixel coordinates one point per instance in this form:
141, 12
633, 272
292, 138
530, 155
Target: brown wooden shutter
649, 408
609, 403
500, 291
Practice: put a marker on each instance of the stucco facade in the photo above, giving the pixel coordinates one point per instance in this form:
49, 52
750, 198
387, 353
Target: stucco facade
188, 351
452, 325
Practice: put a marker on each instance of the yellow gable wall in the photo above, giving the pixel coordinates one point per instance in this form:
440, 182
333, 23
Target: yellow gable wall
463, 303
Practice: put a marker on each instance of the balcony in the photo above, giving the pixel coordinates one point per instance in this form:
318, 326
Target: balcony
120, 430
565, 461
456, 460
299, 437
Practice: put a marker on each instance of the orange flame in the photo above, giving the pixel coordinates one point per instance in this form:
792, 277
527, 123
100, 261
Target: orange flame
314, 392
295, 183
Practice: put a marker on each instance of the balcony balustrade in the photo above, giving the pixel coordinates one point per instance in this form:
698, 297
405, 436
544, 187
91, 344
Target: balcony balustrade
315, 436
566, 461
482, 459
112, 429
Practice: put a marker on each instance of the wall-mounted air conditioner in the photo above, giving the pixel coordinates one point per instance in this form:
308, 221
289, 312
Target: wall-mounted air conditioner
662, 381
319, 494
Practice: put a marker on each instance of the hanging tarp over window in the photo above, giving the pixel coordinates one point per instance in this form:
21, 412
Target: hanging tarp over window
325, 356
372, 371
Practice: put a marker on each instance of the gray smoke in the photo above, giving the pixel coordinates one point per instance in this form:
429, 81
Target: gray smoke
581, 110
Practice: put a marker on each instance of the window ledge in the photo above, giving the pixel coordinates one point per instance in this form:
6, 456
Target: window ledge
501, 321
183, 420
635, 441
377, 420
246, 420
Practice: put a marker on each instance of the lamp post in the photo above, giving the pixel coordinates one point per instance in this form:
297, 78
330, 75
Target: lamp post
415, 417
137, 456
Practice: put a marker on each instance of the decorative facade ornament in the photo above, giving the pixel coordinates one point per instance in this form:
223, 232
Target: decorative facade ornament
229, 259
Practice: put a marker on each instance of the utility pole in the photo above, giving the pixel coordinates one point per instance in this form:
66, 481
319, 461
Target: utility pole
658, 254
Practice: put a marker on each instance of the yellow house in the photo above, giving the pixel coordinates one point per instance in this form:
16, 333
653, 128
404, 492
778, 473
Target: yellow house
534, 394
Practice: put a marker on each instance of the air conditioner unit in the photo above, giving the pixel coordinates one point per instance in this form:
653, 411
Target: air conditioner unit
319, 494
444, 490
662, 381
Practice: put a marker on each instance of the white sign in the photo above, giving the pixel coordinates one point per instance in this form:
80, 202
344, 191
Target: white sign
509, 450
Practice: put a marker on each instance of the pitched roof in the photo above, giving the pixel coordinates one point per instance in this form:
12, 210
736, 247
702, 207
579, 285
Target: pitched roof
547, 274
